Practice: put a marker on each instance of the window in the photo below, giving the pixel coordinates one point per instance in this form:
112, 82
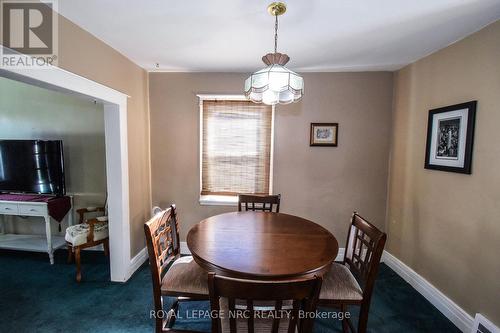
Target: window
236, 148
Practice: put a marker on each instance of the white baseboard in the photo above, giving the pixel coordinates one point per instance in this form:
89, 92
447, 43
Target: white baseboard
137, 261
95, 248
340, 254
450, 309
185, 249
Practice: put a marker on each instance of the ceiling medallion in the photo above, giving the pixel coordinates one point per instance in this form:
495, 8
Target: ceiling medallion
275, 84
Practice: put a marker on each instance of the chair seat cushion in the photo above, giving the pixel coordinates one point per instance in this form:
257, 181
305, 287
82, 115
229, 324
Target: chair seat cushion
340, 284
77, 234
185, 277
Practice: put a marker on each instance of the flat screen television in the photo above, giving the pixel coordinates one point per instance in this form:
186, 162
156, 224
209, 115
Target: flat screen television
32, 166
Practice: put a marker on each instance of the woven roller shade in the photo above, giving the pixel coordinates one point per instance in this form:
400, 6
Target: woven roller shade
236, 151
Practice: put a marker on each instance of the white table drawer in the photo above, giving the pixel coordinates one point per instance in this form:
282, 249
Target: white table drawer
33, 209
9, 208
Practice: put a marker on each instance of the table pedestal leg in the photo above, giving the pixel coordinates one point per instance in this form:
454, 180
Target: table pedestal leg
48, 232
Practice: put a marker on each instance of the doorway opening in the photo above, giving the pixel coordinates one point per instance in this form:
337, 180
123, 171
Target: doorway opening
115, 131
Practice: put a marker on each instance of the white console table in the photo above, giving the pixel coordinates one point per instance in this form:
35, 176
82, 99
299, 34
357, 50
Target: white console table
35, 243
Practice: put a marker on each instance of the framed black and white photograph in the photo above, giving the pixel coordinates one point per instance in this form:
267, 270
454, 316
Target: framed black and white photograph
450, 135
324, 134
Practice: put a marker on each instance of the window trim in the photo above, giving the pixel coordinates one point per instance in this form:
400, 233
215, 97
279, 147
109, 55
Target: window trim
224, 200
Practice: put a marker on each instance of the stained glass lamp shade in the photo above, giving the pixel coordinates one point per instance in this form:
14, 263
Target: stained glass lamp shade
274, 84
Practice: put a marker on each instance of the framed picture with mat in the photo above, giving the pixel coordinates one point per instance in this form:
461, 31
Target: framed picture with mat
450, 136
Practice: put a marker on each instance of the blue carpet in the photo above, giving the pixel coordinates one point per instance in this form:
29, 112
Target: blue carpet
38, 297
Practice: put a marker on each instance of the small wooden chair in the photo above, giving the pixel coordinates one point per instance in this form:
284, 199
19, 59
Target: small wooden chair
364, 247
85, 234
172, 274
284, 300
262, 203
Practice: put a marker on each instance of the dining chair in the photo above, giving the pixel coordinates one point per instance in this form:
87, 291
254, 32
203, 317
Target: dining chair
264, 203
173, 275
88, 232
364, 247
235, 303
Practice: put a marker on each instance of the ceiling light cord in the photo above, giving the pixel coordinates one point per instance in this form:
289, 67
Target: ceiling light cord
276, 34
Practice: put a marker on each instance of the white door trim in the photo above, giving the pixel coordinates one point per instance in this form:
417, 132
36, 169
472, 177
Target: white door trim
115, 122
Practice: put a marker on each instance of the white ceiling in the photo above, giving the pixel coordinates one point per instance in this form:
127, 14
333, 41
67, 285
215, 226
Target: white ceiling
318, 35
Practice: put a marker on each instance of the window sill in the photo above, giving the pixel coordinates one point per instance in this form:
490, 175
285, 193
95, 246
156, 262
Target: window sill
218, 200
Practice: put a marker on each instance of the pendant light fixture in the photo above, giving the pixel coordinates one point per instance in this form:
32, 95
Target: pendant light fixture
275, 84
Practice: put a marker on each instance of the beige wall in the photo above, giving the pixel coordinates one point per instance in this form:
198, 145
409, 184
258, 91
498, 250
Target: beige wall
446, 225
319, 183
31, 112
85, 55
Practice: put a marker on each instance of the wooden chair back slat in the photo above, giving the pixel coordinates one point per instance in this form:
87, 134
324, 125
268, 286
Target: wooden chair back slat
232, 319
364, 247
296, 304
263, 203
250, 316
276, 321
214, 305
303, 294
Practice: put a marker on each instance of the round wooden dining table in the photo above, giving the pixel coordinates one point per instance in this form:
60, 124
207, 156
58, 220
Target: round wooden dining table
262, 246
